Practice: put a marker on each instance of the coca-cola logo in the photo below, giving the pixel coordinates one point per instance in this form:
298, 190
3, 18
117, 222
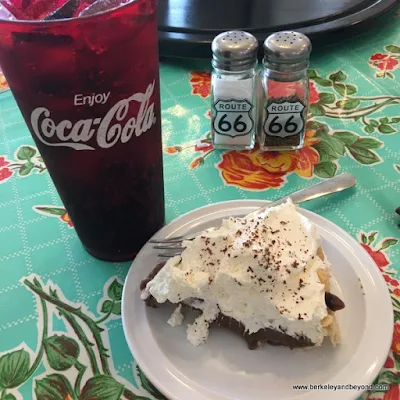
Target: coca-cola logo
108, 130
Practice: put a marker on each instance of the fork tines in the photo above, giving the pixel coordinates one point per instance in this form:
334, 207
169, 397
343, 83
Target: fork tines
176, 239
172, 245
168, 255
179, 248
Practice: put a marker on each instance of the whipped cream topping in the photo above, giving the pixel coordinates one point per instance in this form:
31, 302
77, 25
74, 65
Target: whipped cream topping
176, 318
260, 270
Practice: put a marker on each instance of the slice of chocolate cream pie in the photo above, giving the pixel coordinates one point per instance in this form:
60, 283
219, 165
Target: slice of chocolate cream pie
264, 276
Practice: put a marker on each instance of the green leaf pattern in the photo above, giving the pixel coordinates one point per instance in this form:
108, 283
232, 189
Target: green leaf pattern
341, 101
27, 160
332, 146
338, 76
52, 211
325, 169
62, 352
26, 153
112, 303
65, 356
54, 387
9, 396
115, 291
14, 367
101, 387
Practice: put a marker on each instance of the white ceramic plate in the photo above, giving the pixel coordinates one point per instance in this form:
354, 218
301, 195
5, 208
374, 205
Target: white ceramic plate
223, 368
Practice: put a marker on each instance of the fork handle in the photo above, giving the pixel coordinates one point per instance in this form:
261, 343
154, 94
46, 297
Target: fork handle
328, 186
332, 185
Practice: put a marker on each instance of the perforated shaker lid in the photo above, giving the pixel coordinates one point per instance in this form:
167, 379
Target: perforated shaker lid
287, 51
234, 51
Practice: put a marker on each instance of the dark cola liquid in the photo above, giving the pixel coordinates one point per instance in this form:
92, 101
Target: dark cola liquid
88, 89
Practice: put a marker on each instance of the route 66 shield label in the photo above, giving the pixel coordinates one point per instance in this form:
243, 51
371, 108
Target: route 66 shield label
233, 117
284, 119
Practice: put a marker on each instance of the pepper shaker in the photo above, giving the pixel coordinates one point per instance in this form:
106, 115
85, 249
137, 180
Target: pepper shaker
233, 90
285, 91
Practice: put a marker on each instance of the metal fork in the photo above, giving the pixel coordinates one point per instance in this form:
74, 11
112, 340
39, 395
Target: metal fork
174, 247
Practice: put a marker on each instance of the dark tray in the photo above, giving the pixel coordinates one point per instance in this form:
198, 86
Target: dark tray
187, 27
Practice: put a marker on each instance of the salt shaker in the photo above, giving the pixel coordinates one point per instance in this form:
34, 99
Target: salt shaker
233, 90
285, 91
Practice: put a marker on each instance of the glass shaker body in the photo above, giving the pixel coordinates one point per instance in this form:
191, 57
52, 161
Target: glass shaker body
233, 90
284, 109
285, 91
234, 118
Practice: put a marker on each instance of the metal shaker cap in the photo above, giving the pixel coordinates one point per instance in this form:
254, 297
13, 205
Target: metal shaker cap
287, 51
234, 51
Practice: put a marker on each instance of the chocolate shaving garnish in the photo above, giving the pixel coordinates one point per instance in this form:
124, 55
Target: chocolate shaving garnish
283, 222
273, 232
299, 317
295, 264
333, 302
250, 269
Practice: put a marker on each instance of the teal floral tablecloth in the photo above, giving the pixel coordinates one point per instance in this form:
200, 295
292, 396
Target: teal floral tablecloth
60, 326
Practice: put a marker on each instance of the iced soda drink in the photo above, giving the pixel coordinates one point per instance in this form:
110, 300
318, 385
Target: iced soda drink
85, 77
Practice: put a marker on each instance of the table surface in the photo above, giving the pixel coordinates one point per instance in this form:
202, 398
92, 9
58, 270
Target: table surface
60, 308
